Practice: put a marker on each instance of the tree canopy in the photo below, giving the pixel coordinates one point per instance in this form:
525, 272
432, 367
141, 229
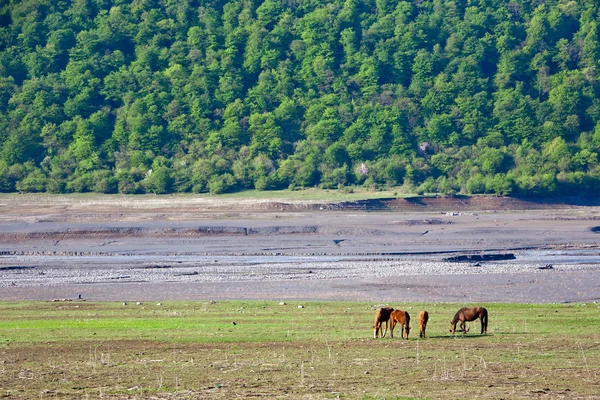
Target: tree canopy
166, 96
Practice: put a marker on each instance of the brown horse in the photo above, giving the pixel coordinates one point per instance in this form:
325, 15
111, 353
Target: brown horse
423, 318
402, 318
382, 315
469, 314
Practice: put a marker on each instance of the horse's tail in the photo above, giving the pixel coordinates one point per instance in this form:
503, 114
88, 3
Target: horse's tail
484, 320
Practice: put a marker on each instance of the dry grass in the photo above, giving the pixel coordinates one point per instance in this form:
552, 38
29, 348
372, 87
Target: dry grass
184, 200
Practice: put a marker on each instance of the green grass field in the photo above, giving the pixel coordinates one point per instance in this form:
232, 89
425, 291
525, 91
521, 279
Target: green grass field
202, 350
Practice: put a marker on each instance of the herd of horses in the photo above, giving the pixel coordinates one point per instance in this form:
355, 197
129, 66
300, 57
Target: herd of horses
393, 317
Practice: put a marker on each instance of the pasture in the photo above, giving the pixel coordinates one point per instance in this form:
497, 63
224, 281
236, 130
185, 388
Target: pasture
261, 349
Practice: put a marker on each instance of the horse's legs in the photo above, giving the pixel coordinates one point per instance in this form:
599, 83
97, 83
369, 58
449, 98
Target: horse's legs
484, 323
386, 327
463, 326
376, 329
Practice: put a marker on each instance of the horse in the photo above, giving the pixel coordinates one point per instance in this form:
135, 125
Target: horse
382, 315
469, 314
423, 318
402, 318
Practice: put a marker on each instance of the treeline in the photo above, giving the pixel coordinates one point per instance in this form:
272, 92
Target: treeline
163, 96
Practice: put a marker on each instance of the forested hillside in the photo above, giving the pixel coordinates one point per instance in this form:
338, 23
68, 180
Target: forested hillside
446, 96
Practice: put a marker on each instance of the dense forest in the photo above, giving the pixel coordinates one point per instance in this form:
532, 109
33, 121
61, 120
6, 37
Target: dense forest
172, 96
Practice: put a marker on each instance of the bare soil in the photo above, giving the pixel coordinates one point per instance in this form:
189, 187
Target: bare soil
203, 248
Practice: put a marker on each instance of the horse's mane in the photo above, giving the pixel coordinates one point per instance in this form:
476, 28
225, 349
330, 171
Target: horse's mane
455, 319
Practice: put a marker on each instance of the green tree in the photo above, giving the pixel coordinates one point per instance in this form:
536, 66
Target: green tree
265, 134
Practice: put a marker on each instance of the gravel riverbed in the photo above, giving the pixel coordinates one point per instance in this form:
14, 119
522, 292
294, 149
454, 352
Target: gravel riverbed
144, 249
223, 273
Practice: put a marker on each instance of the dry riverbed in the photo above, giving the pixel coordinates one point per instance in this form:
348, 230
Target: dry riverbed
201, 248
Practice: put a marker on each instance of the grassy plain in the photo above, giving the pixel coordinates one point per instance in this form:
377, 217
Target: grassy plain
235, 349
326, 195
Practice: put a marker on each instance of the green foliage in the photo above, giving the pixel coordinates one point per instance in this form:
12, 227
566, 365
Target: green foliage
159, 180
444, 97
221, 183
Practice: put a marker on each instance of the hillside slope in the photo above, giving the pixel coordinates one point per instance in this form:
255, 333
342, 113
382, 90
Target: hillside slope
214, 96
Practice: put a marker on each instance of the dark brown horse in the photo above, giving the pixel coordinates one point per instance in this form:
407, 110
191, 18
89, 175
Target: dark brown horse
402, 318
382, 315
469, 314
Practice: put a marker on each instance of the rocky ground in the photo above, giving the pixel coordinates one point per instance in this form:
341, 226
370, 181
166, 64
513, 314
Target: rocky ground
197, 248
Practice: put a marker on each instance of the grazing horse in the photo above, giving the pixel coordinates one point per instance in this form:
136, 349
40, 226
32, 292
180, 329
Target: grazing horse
423, 318
382, 315
402, 318
469, 314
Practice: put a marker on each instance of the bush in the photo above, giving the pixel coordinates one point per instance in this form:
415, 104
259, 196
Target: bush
221, 183
536, 185
475, 184
6, 183
35, 181
262, 183
55, 185
500, 184
428, 186
332, 179
79, 183
159, 181
103, 181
